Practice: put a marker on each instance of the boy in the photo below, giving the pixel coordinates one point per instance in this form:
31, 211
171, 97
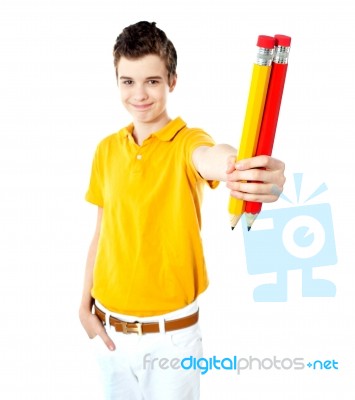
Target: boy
145, 267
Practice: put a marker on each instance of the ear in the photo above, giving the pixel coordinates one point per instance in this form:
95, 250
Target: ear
173, 83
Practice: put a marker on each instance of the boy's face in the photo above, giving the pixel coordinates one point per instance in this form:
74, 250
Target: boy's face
144, 88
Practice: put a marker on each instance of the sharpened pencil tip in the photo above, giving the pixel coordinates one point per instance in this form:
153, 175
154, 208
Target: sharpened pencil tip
249, 227
234, 220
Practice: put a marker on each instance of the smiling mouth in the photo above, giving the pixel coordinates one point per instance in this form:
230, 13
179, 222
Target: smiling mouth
141, 107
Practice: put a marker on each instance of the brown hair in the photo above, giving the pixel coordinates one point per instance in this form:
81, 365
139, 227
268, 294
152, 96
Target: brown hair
144, 38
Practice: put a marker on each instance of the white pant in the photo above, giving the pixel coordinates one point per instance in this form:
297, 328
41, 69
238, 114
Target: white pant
147, 367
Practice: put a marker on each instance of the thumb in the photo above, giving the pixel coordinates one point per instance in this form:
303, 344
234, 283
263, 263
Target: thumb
230, 164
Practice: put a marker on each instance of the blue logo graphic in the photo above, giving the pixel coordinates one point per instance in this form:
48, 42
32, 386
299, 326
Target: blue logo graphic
298, 237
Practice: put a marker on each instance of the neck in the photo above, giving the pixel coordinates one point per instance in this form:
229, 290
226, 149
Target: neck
142, 130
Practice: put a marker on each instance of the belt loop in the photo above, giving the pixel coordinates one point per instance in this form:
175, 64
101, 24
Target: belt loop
107, 319
162, 326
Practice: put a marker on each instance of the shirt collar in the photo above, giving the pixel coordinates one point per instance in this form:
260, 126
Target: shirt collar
170, 130
165, 134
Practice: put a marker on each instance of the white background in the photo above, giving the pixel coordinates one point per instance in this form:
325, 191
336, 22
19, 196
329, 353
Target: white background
59, 99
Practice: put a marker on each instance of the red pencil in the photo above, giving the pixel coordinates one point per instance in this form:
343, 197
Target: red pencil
271, 112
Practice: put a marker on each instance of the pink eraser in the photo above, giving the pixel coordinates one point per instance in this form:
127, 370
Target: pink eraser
267, 42
282, 40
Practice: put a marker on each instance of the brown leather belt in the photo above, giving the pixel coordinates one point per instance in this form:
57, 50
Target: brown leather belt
142, 328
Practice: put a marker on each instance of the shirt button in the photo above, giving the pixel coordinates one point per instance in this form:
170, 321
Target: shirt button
139, 156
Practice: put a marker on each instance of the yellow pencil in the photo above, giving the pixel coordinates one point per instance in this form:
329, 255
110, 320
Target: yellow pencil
254, 113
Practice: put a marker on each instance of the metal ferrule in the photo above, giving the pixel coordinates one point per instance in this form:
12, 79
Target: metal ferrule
264, 56
281, 54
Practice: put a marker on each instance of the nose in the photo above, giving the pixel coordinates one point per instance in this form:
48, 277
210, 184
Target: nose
140, 94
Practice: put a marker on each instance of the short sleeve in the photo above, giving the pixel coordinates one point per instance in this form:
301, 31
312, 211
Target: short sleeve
195, 139
94, 193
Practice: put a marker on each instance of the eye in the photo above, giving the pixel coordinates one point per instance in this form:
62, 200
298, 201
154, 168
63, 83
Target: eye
153, 82
127, 82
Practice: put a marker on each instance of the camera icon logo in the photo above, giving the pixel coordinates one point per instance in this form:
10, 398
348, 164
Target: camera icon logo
291, 238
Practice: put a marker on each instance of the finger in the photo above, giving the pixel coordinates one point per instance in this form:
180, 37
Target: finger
253, 191
258, 175
107, 340
255, 197
260, 162
255, 188
251, 175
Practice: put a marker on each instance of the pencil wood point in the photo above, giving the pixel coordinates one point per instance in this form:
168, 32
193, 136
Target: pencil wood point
250, 218
234, 220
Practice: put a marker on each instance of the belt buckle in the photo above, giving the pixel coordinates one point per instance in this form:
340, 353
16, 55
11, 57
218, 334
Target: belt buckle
132, 329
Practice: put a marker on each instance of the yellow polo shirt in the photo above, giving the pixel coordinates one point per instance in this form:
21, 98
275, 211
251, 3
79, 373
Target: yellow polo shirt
149, 259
